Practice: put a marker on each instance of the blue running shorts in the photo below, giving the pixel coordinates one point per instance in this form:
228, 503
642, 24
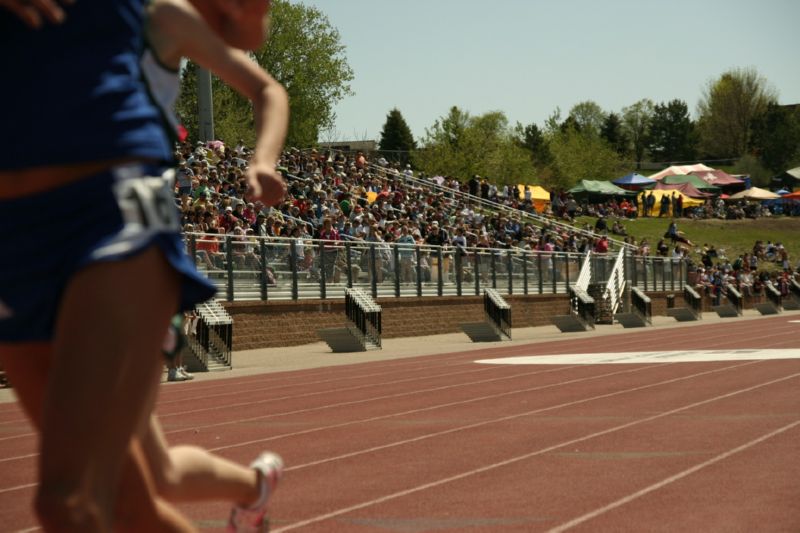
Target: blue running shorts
50, 236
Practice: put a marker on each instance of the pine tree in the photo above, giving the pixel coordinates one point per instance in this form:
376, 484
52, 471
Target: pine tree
396, 135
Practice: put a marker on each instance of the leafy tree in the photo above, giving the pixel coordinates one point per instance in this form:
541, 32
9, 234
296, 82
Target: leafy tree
672, 134
614, 135
749, 165
727, 109
305, 54
776, 137
577, 156
636, 124
588, 117
396, 135
461, 145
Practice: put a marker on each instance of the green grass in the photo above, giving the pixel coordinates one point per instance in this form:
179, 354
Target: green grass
734, 236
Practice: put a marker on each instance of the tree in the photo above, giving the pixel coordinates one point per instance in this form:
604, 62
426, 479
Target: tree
636, 124
305, 54
577, 156
672, 134
727, 109
588, 116
396, 135
461, 145
612, 132
776, 137
532, 139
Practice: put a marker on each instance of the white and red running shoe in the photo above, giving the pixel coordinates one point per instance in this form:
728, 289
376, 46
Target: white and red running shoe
254, 519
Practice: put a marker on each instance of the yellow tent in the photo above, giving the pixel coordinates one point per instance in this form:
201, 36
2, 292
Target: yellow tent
688, 201
539, 196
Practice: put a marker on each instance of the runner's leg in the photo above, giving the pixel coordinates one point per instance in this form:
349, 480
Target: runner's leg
108, 333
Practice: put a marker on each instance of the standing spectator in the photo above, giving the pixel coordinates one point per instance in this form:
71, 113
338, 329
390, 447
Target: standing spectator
474, 184
665, 203
405, 251
650, 204
330, 248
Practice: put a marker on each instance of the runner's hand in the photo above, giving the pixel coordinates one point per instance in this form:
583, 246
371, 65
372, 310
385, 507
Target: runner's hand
34, 12
265, 184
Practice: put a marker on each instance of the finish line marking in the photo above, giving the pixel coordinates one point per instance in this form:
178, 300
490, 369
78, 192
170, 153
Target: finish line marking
684, 356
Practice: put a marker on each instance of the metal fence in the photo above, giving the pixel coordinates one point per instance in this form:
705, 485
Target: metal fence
271, 268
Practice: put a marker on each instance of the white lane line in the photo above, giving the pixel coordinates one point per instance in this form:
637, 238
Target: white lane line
493, 466
671, 479
666, 356
427, 408
18, 487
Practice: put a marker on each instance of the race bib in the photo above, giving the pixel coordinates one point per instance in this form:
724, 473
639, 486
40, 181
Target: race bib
148, 202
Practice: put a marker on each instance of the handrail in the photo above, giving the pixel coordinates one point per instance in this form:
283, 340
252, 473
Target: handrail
498, 311
642, 304
215, 329
266, 267
585, 276
583, 305
364, 314
773, 294
735, 298
693, 301
541, 220
794, 288
616, 283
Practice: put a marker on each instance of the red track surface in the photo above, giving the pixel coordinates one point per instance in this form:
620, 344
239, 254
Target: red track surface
439, 443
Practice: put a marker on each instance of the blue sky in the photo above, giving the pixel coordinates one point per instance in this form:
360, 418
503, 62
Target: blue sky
527, 57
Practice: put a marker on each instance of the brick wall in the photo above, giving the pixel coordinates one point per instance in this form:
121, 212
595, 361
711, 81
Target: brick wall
279, 323
291, 323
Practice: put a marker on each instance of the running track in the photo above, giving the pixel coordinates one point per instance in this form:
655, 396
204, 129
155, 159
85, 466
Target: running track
440, 443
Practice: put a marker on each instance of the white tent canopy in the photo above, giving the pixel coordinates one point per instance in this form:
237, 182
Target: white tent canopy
755, 193
680, 170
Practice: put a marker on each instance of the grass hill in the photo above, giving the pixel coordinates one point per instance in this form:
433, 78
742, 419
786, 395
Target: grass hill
734, 236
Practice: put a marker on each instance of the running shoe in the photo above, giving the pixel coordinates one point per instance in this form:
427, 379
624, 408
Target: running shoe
254, 519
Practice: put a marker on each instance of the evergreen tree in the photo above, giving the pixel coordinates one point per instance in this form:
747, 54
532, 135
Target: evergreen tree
612, 132
532, 139
396, 135
672, 133
776, 137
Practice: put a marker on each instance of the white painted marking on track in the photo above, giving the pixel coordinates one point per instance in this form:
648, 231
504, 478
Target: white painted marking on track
794, 322
683, 356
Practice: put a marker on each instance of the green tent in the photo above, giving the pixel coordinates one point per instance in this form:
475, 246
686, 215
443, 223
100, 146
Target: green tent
699, 183
598, 189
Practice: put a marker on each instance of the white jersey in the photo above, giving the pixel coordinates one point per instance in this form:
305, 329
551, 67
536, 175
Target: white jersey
163, 84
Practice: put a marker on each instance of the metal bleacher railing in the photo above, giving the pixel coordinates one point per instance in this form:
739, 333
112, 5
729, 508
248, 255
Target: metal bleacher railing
272, 268
488, 205
615, 287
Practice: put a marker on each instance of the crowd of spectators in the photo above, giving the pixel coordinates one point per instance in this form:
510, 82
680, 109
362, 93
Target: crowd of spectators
335, 196
716, 273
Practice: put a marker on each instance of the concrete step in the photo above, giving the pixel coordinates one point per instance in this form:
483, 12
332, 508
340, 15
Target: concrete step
344, 340
767, 308
682, 314
631, 320
726, 311
791, 303
570, 323
482, 332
